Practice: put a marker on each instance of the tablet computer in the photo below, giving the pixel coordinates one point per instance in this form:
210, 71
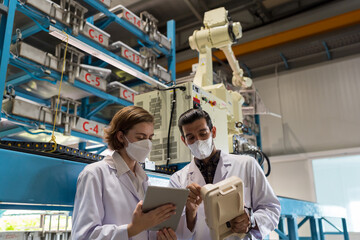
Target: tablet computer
157, 196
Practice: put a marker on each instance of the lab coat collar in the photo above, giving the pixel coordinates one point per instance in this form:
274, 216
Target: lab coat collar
120, 164
122, 169
221, 172
110, 162
222, 168
194, 175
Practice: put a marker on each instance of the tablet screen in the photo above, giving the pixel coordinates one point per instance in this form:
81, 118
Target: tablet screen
157, 196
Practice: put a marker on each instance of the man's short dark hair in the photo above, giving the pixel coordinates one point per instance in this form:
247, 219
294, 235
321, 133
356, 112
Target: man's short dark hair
191, 116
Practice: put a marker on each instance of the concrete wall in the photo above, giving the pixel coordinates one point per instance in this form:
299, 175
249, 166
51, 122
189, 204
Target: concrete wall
319, 106
320, 113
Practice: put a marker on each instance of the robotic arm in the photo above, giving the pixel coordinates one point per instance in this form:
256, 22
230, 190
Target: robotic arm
218, 32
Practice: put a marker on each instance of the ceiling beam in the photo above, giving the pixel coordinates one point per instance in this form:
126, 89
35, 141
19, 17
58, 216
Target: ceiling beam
193, 10
326, 25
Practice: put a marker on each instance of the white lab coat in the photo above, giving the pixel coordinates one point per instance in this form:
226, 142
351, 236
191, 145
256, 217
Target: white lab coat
104, 203
258, 195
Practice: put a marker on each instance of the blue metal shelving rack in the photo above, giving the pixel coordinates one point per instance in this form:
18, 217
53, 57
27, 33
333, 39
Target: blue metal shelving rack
36, 71
30, 181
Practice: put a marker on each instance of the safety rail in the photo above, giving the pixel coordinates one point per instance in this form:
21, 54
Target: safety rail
315, 214
52, 225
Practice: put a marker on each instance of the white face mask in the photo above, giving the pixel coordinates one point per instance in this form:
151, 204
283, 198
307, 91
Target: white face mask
138, 151
202, 149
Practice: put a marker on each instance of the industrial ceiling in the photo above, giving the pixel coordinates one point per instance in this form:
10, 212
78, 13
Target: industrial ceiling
277, 34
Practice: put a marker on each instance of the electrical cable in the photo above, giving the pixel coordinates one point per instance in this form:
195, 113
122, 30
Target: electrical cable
268, 163
169, 131
53, 138
182, 88
263, 158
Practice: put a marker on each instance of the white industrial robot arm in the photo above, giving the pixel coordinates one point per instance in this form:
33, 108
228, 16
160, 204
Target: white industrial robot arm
217, 33
238, 79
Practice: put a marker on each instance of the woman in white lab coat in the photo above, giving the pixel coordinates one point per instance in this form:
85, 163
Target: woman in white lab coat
108, 202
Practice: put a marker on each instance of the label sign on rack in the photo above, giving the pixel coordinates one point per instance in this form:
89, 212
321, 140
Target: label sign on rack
96, 34
131, 18
132, 56
126, 94
92, 80
90, 127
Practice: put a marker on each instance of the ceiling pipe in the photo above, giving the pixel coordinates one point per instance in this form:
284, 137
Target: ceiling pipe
193, 10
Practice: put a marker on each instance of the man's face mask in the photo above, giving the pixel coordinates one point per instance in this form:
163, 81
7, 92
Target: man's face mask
139, 150
202, 149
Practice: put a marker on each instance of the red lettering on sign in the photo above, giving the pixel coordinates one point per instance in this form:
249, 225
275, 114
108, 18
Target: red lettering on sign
127, 15
96, 129
91, 31
84, 126
126, 52
86, 77
124, 94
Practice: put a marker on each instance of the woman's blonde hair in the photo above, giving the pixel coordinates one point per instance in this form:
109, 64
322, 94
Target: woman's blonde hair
123, 121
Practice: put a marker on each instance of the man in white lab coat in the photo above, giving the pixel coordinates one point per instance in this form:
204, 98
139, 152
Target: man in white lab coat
211, 166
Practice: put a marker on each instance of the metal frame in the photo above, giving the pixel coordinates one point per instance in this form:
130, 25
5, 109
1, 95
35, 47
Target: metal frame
36, 68
3, 9
56, 179
328, 53
6, 26
111, 17
292, 209
58, 30
285, 61
35, 71
171, 59
22, 120
27, 32
44, 183
258, 135
43, 23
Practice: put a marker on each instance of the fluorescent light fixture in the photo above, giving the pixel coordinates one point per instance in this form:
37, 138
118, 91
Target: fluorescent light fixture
114, 84
100, 55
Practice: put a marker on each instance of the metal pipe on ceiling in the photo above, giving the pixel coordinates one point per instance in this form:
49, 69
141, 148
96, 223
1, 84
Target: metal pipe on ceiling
305, 57
193, 10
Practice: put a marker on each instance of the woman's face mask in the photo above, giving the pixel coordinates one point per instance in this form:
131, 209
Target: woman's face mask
138, 151
202, 149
